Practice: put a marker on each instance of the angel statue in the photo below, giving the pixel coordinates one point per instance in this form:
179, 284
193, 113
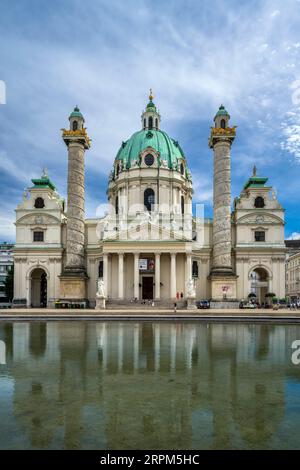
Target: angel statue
100, 288
191, 291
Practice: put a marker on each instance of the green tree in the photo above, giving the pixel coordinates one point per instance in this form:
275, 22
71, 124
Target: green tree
9, 284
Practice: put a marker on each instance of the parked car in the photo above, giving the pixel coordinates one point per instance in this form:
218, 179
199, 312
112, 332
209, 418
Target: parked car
203, 304
246, 304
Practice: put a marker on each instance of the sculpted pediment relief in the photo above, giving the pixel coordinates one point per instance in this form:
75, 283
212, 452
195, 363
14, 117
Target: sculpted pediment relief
259, 219
38, 219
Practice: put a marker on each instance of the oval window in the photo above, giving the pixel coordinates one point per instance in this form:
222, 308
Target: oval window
149, 159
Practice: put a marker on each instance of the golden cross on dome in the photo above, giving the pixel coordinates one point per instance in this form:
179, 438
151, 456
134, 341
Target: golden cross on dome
151, 95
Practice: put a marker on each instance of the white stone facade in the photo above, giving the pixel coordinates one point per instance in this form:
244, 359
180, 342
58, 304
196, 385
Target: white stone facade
156, 253
293, 277
43, 256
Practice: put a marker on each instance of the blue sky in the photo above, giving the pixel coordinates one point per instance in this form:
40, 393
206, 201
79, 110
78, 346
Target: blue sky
105, 55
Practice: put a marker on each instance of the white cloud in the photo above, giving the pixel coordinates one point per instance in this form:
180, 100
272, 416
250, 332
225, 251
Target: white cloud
294, 236
18, 170
291, 133
7, 228
275, 13
202, 186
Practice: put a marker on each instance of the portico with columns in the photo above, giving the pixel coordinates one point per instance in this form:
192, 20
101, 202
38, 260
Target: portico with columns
145, 273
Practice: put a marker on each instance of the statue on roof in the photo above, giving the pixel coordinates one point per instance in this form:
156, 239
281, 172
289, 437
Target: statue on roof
254, 171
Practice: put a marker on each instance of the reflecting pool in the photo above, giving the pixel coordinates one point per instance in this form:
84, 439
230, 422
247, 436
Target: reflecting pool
148, 385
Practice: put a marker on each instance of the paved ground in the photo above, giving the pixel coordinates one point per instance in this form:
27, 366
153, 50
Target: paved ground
282, 315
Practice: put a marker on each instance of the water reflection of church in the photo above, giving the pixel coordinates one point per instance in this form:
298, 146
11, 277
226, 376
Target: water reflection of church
143, 385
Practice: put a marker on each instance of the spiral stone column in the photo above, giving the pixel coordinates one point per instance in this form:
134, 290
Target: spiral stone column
73, 278
222, 276
75, 212
222, 207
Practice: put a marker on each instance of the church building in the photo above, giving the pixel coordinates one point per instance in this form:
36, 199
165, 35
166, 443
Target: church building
149, 246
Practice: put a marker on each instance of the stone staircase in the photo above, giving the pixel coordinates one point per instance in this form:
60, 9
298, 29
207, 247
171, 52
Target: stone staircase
117, 304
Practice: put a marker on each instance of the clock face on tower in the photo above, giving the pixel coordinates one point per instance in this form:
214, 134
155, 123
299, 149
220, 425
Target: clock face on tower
149, 159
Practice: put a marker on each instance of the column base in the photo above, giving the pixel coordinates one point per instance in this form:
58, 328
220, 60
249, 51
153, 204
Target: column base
222, 271
191, 304
223, 287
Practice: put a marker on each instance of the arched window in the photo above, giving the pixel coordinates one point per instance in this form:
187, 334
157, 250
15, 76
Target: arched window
156, 123
149, 199
39, 203
100, 268
75, 126
150, 122
195, 269
117, 205
182, 168
259, 202
182, 204
145, 123
223, 123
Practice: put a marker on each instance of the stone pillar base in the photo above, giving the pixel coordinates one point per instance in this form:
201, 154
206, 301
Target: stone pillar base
100, 303
191, 304
223, 288
72, 288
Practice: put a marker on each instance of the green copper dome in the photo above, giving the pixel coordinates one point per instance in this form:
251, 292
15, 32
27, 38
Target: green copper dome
151, 106
222, 111
169, 150
76, 113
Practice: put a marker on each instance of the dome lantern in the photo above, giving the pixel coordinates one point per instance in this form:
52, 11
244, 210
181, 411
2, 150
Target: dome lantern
76, 119
222, 118
150, 117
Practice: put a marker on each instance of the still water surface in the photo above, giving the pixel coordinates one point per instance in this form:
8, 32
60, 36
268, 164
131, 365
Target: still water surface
144, 385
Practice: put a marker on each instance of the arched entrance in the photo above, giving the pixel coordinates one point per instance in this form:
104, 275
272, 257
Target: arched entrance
38, 282
259, 283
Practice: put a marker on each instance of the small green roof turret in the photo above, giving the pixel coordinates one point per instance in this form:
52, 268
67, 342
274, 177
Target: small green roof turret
76, 113
222, 111
255, 181
43, 182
